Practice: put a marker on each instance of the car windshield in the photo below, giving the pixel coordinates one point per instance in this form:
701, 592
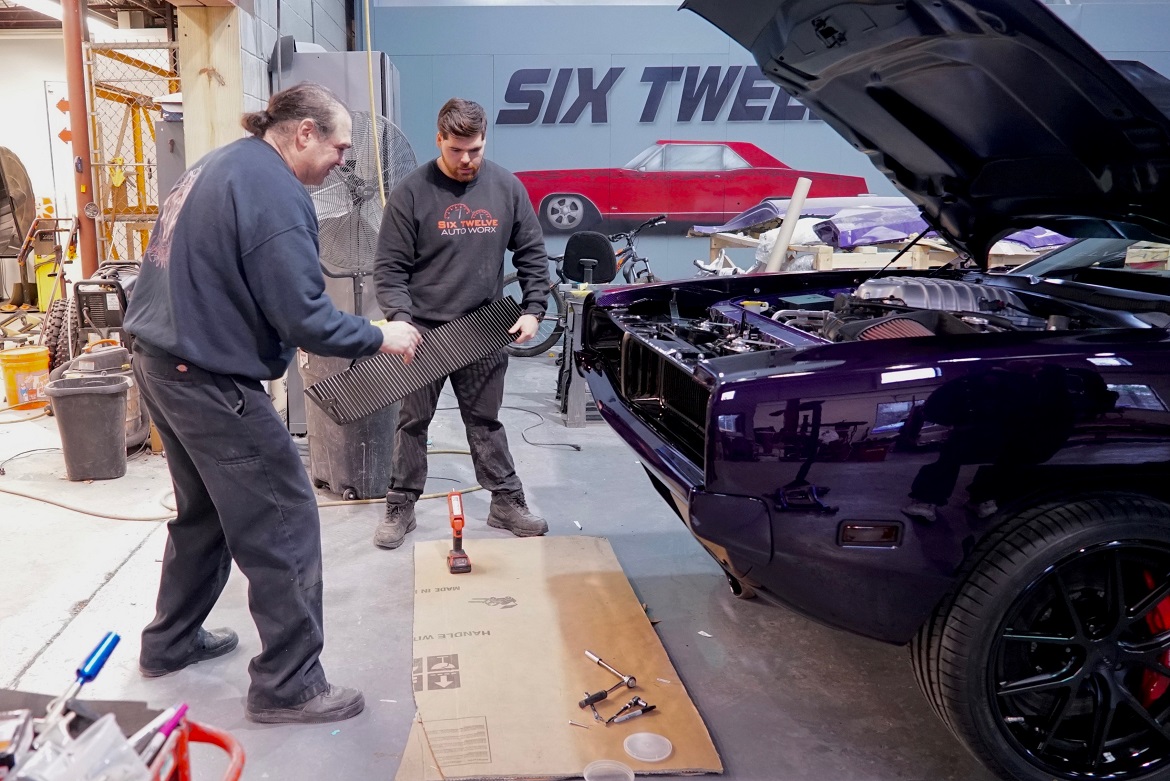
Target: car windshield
1119, 254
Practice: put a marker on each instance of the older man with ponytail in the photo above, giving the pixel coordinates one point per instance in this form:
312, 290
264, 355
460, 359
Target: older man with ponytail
230, 287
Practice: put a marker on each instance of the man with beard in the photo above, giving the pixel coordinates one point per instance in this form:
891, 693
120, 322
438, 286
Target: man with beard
440, 256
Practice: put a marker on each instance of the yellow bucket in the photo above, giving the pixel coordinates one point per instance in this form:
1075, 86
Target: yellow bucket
48, 276
26, 376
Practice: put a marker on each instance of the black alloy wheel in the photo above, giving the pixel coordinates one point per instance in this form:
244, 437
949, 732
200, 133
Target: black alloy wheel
1079, 667
1053, 658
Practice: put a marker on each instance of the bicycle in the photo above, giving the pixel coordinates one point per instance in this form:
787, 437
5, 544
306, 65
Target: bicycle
634, 268
628, 258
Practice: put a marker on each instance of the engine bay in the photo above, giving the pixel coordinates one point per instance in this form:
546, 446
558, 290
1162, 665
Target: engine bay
884, 308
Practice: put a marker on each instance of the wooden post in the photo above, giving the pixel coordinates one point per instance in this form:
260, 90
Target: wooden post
824, 258
919, 257
213, 78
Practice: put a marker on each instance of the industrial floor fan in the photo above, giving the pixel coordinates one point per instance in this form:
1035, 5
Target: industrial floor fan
354, 460
18, 209
350, 203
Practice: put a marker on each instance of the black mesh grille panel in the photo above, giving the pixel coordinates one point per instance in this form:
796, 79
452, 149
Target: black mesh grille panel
374, 383
686, 397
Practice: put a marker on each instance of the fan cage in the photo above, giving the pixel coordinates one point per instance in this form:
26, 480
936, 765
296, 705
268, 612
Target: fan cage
349, 202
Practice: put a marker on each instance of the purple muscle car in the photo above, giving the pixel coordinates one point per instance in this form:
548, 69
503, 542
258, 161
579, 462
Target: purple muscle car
974, 464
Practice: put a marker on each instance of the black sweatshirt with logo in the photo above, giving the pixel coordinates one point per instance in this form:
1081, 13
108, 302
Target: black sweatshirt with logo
442, 244
231, 281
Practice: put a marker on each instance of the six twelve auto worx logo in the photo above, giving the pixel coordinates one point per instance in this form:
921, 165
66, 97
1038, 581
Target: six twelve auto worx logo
687, 93
460, 219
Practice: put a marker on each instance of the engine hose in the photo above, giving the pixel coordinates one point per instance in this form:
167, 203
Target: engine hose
169, 494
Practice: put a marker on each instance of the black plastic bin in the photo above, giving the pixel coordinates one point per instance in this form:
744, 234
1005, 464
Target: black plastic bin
91, 418
352, 460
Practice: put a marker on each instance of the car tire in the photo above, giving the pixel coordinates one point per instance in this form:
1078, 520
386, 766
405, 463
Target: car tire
55, 321
568, 212
69, 340
1062, 615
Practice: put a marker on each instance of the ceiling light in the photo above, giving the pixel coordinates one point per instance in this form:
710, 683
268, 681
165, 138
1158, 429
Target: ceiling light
53, 8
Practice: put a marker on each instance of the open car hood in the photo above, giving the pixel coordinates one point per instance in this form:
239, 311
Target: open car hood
990, 115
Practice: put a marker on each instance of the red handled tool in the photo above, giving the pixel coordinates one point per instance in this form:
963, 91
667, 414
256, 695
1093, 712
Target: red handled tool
457, 560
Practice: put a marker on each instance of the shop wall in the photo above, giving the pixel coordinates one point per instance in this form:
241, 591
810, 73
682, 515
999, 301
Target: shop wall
629, 52
529, 65
314, 21
31, 63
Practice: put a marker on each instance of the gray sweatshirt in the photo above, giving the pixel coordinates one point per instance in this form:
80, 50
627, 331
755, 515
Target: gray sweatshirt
442, 244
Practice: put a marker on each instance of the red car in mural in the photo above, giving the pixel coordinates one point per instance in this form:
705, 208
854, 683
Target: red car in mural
692, 182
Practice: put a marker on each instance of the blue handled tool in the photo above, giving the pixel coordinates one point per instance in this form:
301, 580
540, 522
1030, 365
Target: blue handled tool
92, 665
88, 670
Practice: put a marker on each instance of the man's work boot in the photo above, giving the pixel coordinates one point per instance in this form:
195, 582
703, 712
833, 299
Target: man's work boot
208, 645
398, 521
336, 703
510, 511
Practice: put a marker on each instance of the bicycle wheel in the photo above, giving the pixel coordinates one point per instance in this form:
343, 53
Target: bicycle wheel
551, 327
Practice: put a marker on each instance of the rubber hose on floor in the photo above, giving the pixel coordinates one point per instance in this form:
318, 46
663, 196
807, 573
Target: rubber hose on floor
438, 495
170, 494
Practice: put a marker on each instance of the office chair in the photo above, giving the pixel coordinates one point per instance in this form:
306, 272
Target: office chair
589, 258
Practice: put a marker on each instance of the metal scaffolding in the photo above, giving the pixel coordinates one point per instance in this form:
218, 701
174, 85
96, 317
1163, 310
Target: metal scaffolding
123, 81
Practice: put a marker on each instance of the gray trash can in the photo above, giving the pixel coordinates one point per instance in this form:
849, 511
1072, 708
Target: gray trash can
106, 362
353, 460
91, 418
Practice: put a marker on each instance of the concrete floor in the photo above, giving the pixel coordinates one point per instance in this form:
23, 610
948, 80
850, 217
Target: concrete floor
783, 698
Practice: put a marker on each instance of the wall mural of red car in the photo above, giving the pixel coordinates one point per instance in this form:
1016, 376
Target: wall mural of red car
692, 182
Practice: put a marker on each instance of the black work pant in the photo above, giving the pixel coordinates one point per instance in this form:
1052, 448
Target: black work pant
479, 390
242, 493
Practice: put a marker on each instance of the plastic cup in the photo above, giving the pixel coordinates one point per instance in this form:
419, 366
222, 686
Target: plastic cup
608, 770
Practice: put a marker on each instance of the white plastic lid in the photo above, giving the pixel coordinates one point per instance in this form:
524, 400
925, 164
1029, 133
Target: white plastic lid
608, 770
648, 747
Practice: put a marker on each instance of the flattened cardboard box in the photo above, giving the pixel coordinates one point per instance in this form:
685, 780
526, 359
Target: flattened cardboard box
500, 665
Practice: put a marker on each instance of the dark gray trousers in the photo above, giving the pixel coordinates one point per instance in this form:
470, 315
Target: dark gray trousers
242, 493
479, 390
